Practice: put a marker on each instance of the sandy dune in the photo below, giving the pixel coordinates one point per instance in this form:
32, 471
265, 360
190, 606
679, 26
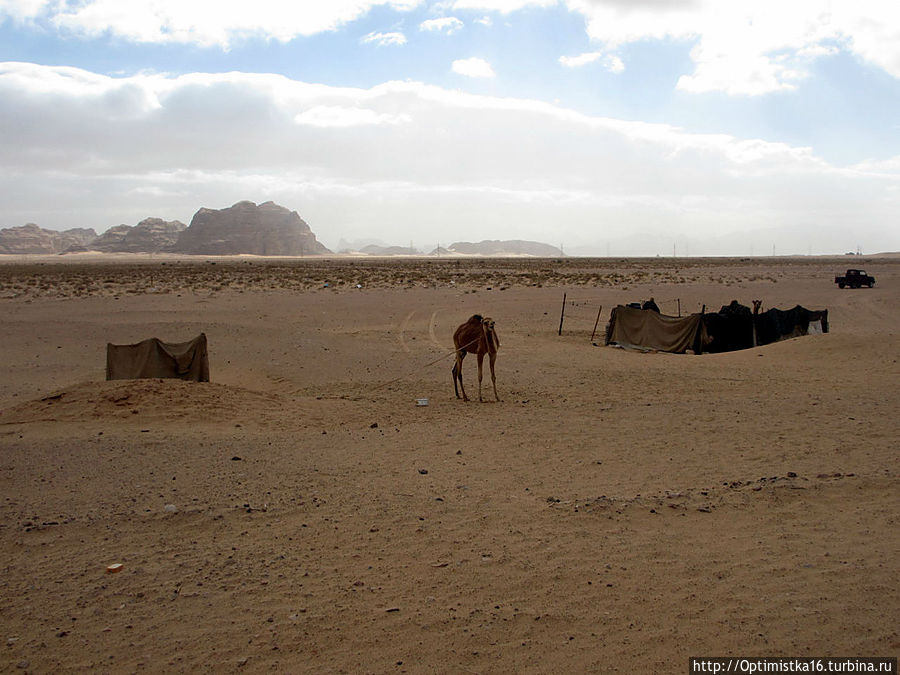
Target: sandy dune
615, 512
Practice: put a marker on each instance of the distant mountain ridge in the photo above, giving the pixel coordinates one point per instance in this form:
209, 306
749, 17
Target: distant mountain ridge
375, 249
151, 235
496, 247
488, 247
30, 239
244, 228
266, 229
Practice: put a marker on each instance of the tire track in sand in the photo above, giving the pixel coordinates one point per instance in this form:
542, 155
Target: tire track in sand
403, 328
434, 340
432, 333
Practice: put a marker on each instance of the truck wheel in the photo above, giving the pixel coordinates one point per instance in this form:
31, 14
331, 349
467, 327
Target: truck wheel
840, 284
871, 283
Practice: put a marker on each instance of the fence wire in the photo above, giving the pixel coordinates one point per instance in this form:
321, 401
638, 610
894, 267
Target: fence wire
583, 314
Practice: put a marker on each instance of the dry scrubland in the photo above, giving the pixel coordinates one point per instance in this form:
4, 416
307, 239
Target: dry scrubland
118, 275
615, 512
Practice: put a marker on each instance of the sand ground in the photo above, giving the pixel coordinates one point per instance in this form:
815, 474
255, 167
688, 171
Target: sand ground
615, 512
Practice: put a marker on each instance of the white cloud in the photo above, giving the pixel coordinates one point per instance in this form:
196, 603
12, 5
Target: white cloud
22, 10
502, 6
201, 22
752, 49
340, 116
872, 29
613, 64
580, 60
407, 160
473, 67
385, 39
610, 62
447, 24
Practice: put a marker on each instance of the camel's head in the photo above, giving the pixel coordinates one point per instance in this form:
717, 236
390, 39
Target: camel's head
490, 333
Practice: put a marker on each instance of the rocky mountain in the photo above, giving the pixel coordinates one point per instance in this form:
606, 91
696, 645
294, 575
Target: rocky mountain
495, 247
151, 235
267, 229
78, 236
30, 238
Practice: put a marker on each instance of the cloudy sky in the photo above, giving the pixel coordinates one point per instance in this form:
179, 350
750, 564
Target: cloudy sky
620, 127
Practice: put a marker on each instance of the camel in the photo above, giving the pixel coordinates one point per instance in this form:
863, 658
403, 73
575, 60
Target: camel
476, 336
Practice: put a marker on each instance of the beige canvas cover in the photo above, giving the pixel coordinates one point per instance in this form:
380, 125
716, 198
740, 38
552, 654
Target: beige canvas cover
155, 358
645, 329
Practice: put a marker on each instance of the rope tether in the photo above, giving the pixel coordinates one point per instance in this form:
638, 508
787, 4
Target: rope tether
430, 363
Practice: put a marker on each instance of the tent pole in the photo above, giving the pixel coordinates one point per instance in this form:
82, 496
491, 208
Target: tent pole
596, 323
562, 314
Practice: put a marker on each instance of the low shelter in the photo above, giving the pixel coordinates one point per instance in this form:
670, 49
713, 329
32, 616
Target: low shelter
154, 358
647, 330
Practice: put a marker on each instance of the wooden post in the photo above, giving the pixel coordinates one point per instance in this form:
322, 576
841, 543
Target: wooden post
679, 307
756, 305
562, 314
596, 323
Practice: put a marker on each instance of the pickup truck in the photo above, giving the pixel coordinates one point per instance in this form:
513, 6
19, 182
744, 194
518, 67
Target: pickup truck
855, 279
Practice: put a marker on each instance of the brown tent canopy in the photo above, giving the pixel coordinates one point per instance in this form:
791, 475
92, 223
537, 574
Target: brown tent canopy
155, 358
648, 330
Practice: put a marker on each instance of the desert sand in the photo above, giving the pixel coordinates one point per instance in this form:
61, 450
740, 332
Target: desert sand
615, 512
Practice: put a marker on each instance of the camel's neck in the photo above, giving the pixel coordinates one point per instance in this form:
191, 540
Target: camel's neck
490, 341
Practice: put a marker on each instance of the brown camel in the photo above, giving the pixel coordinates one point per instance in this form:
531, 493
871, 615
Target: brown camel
476, 336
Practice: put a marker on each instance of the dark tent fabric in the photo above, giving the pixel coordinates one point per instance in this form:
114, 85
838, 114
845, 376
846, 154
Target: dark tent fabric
645, 329
154, 358
781, 324
729, 329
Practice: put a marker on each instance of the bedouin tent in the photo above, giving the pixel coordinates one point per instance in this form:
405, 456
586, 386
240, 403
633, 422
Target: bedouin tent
781, 324
154, 358
645, 329
731, 328
736, 327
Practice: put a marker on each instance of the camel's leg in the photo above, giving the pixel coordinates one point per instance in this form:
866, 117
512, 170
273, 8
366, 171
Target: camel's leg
480, 372
455, 385
457, 375
493, 358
